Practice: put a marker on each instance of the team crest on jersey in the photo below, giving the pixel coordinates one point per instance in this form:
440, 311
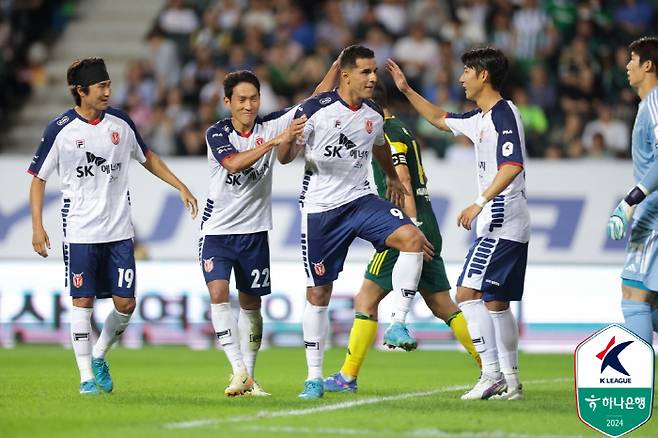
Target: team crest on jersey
319, 268
259, 141
369, 126
115, 137
78, 280
208, 264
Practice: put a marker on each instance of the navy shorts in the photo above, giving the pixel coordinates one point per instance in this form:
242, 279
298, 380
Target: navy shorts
100, 269
326, 236
247, 254
496, 267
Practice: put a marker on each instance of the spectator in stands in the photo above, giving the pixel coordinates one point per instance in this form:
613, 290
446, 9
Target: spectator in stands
418, 54
534, 121
615, 133
164, 58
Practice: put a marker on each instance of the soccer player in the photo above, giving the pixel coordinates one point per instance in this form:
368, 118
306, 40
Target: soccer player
433, 285
237, 218
343, 128
90, 147
640, 273
494, 270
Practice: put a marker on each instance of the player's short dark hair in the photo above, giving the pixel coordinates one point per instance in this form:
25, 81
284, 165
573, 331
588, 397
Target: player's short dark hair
490, 59
72, 73
235, 77
646, 48
380, 96
350, 54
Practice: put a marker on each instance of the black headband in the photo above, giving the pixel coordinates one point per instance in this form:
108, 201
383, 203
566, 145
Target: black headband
90, 74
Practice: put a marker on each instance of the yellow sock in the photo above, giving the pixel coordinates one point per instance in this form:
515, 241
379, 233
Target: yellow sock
362, 336
457, 324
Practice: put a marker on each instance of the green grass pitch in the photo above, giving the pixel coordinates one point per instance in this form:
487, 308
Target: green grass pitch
174, 391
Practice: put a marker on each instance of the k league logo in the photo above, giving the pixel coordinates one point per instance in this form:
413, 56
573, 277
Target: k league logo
614, 371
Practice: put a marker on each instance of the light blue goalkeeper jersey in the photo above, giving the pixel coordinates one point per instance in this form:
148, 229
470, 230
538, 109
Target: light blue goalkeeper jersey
645, 155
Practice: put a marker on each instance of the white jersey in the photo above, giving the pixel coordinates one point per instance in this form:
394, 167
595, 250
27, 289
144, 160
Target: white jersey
499, 140
92, 159
241, 203
339, 141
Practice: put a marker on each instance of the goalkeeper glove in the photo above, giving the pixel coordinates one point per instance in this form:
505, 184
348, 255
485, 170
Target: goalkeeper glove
624, 212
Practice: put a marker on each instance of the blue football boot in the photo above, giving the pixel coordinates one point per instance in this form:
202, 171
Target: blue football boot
336, 383
102, 373
313, 389
397, 335
88, 387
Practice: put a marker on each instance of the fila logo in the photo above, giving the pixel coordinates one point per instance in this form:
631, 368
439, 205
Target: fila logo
223, 334
80, 336
408, 293
311, 345
507, 131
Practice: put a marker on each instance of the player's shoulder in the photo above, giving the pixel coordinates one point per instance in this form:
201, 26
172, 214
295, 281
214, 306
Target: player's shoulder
220, 130
56, 125
374, 106
396, 130
276, 115
466, 115
318, 102
503, 114
120, 114
652, 105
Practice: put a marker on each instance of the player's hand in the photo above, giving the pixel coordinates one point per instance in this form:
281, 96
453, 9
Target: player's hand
398, 76
619, 220
428, 249
467, 216
396, 192
291, 133
189, 201
40, 241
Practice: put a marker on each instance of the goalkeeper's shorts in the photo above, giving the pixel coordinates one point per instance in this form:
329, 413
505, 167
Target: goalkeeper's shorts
642, 258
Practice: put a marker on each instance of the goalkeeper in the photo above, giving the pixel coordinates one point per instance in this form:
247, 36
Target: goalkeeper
640, 274
434, 285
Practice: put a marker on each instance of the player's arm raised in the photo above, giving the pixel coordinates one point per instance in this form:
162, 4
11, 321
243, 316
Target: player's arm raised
40, 239
395, 191
157, 167
330, 79
435, 115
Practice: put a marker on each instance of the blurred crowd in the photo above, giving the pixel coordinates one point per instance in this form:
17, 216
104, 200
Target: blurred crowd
568, 75
25, 27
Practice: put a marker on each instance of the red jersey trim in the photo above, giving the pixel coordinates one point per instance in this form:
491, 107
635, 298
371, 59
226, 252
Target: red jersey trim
510, 163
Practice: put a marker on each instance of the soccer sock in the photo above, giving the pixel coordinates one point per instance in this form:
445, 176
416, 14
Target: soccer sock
364, 330
226, 330
405, 278
482, 333
507, 342
637, 315
115, 323
80, 339
315, 324
457, 324
250, 326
